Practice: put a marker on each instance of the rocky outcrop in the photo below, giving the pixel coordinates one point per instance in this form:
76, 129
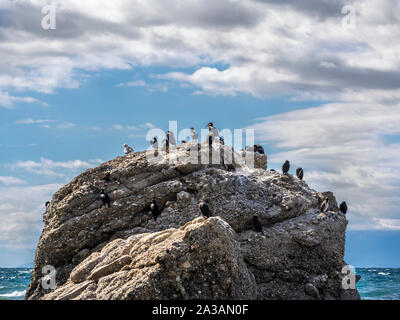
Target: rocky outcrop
122, 253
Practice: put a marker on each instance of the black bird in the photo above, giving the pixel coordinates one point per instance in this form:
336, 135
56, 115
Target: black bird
205, 210
105, 199
107, 178
210, 140
257, 225
45, 213
166, 145
286, 167
230, 167
258, 148
171, 138
222, 140
300, 173
325, 205
343, 207
154, 143
155, 210
273, 170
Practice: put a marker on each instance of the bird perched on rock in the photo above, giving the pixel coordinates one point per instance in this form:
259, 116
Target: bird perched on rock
343, 207
45, 213
105, 198
213, 133
259, 149
193, 135
205, 210
230, 167
212, 129
325, 205
171, 138
155, 210
286, 167
300, 173
165, 145
127, 149
257, 225
222, 141
272, 170
154, 143
183, 142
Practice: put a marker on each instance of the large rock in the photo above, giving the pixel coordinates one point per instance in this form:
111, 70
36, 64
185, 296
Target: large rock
200, 260
122, 253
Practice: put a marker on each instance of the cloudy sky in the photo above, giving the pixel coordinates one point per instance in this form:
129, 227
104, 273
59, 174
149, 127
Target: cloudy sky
318, 80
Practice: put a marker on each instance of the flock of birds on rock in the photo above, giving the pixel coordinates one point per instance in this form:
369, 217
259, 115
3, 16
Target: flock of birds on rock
203, 206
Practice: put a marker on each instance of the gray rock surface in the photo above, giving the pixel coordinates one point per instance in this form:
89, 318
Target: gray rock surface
122, 253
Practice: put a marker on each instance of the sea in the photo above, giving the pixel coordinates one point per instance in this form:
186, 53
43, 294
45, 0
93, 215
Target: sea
375, 283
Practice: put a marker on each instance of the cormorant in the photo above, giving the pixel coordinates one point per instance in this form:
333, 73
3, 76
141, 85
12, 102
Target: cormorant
213, 133
193, 135
154, 143
325, 205
155, 210
300, 173
257, 225
127, 149
343, 207
171, 138
205, 210
286, 167
105, 198
258, 148
166, 145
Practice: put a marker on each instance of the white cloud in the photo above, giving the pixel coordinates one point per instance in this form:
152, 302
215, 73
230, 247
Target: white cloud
21, 212
146, 125
7, 101
117, 127
267, 47
32, 121
11, 180
136, 83
47, 167
66, 125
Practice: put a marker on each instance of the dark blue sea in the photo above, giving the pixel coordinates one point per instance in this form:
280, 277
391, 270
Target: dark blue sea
375, 283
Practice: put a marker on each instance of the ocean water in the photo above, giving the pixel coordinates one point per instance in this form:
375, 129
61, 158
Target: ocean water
13, 283
375, 283
379, 283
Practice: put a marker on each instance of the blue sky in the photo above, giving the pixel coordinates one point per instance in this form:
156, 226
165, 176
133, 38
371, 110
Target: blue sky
322, 95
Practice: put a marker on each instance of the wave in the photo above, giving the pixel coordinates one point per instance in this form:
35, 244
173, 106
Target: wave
384, 274
14, 294
24, 272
